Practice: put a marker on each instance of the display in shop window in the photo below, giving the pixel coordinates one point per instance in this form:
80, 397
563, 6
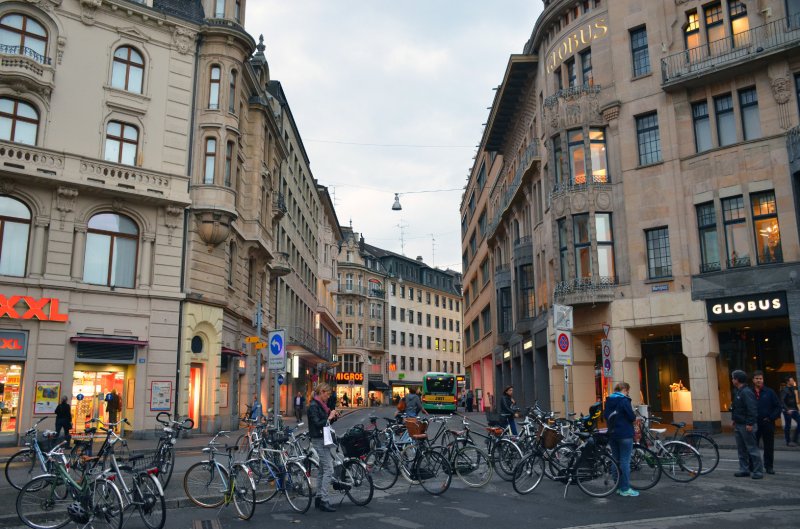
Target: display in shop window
47, 394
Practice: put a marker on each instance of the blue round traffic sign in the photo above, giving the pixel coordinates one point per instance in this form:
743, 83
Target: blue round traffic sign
280, 379
79, 396
276, 345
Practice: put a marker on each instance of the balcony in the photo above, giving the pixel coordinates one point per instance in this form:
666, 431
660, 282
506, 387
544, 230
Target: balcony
572, 107
23, 67
523, 250
525, 162
278, 206
584, 290
687, 68
360, 291
280, 266
297, 337
709, 267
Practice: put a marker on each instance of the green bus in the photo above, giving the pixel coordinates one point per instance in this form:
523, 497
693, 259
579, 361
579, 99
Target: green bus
439, 392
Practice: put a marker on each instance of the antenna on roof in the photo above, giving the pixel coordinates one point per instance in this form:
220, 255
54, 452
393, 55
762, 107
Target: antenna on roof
402, 227
433, 251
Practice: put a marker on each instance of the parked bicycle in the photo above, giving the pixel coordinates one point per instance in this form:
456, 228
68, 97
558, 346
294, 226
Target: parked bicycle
164, 457
274, 471
679, 461
31, 461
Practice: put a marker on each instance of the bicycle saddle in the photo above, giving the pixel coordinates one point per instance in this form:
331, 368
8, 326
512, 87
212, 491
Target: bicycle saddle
419, 436
658, 430
678, 424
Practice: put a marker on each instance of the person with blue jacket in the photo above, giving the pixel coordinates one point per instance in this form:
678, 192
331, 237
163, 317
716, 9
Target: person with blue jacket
619, 417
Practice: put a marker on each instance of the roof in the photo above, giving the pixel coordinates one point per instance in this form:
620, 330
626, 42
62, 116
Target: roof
191, 10
507, 100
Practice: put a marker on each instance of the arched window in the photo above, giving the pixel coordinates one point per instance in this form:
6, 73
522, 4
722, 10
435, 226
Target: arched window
213, 88
231, 263
15, 226
19, 121
210, 161
232, 93
127, 70
23, 35
228, 163
111, 251
122, 143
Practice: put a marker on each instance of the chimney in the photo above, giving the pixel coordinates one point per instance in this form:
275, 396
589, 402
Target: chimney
419, 258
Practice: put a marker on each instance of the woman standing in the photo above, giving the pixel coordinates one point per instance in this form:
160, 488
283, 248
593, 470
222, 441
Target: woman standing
619, 417
508, 408
319, 414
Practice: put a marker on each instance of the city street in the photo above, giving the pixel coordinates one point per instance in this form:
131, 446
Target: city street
711, 501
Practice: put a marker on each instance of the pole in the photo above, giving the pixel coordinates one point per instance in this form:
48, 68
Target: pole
276, 408
258, 355
566, 392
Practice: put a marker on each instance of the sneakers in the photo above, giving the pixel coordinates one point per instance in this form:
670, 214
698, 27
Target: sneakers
757, 475
741, 474
629, 492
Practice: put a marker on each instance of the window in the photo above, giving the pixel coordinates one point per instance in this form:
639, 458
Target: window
403, 315
232, 93
640, 53
473, 247
348, 282
562, 247
702, 126
15, 227
599, 157
122, 141
659, 262
402, 291
748, 103
458, 325
23, 35
430, 368
219, 9
419, 318
733, 216
583, 246
127, 70
436, 299
237, 11
559, 79
436, 344
411, 361
605, 245
765, 224
572, 77
586, 67
428, 298
213, 89
577, 157
504, 323
558, 158
410, 294
428, 342
419, 341
482, 224
111, 248
210, 161
436, 322
19, 121
527, 303
428, 320
485, 272
402, 338
739, 23
692, 31
394, 337
394, 288
726, 126
709, 247
715, 30
228, 163
481, 180
649, 139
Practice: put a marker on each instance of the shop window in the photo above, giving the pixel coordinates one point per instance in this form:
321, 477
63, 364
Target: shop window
127, 70
765, 224
665, 375
702, 126
726, 124
23, 35
659, 261
709, 245
94, 385
15, 226
736, 240
10, 383
111, 251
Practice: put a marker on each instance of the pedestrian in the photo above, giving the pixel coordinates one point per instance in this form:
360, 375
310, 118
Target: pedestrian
299, 404
508, 408
789, 401
112, 407
744, 414
64, 420
470, 398
359, 400
619, 418
332, 400
488, 402
319, 416
414, 404
769, 409
345, 400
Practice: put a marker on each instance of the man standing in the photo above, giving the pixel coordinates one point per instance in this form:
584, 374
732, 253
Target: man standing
789, 400
769, 409
64, 420
299, 404
744, 414
470, 397
112, 406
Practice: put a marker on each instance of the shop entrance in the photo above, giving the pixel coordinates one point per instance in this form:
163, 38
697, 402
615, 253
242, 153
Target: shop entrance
195, 392
664, 372
10, 383
93, 385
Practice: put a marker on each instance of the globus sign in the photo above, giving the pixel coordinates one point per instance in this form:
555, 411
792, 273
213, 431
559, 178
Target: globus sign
348, 376
34, 308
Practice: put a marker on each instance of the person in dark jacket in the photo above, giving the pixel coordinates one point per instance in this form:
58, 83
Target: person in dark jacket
789, 401
64, 420
319, 415
508, 408
744, 415
299, 404
619, 417
769, 409
470, 398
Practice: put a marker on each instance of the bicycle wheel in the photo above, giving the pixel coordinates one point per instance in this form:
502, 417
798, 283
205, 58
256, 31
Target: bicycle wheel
406, 463
166, 466
558, 460
42, 503
433, 472
297, 487
355, 476
263, 480
383, 468
22, 467
505, 457
448, 438
149, 500
680, 462
244, 491
472, 466
528, 473
707, 447
205, 484
645, 468
597, 474
243, 444
106, 506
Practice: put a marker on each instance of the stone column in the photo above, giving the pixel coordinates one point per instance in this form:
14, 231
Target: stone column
39, 235
626, 353
147, 260
701, 347
78, 252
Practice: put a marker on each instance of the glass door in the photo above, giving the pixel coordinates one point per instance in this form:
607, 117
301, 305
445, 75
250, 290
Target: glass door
89, 389
10, 383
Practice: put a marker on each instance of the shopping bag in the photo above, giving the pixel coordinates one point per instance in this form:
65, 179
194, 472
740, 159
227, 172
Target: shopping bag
328, 435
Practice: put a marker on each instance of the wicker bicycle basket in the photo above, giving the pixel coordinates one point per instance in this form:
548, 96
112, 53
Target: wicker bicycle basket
415, 426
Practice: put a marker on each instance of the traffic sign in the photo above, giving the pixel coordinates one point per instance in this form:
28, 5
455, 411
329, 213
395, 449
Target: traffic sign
606, 328
562, 317
280, 379
605, 347
564, 348
251, 339
261, 345
277, 351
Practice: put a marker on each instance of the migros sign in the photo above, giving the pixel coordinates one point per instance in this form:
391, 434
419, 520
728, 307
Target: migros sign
579, 38
349, 376
28, 308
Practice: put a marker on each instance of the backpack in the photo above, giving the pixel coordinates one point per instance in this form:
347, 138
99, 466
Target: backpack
401, 406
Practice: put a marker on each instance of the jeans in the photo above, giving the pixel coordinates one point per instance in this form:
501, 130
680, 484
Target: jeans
325, 468
766, 432
787, 424
748, 450
513, 424
621, 451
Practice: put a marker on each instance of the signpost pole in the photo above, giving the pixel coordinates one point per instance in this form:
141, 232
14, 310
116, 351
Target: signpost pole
258, 355
276, 408
566, 391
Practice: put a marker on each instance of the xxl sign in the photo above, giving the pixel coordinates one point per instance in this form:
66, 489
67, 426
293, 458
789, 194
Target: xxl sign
578, 39
747, 307
13, 344
348, 376
28, 308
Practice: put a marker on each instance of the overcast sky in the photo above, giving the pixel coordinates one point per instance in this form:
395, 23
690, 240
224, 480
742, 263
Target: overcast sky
390, 97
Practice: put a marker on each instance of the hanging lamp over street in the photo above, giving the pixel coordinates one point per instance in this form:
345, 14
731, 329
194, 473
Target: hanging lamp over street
396, 206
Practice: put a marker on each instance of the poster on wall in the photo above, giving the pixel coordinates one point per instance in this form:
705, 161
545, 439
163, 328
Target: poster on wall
223, 395
130, 394
160, 395
47, 393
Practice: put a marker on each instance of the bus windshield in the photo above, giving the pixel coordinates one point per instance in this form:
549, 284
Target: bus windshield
440, 384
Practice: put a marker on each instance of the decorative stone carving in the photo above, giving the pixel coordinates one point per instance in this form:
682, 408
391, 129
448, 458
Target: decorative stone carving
65, 201
172, 216
610, 113
579, 202
117, 204
7, 187
781, 85
46, 5
603, 200
183, 39
213, 227
558, 206
88, 7
62, 43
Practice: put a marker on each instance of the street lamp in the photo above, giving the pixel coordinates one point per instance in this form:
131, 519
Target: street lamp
396, 206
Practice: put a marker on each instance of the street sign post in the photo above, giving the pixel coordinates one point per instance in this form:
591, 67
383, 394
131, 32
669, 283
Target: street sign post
277, 363
565, 358
605, 347
257, 350
562, 317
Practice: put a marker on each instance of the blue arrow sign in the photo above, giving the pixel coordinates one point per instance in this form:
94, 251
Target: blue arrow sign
280, 379
276, 345
277, 348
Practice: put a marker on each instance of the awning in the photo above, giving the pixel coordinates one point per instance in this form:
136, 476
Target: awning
378, 386
109, 340
232, 352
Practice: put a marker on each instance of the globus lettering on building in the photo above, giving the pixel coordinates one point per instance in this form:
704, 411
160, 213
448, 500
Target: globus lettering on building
743, 307
575, 41
347, 376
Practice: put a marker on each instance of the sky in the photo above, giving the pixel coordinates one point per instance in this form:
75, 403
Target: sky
391, 97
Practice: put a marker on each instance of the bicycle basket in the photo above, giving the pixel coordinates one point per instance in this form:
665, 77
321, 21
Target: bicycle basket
493, 419
550, 437
149, 459
354, 443
415, 426
49, 439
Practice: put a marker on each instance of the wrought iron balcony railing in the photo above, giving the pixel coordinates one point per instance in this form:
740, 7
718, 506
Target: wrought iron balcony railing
737, 262
300, 337
595, 181
531, 152
571, 92
5, 49
585, 285
709, 267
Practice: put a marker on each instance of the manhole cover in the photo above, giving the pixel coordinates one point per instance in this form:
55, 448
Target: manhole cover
206, 524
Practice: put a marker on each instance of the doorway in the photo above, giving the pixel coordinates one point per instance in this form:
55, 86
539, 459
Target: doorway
89, 389
195, 393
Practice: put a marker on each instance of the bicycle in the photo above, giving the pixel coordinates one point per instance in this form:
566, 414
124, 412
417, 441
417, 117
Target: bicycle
53, 500
679, 460
705, 445
209, 484
471, 464
164, 458
275, 471
24, 465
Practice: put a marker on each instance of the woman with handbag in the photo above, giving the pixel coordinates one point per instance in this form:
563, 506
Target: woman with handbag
508, 408
320, 416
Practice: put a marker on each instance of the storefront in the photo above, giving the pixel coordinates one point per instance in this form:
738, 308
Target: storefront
351, 384
379, 391
401, 388
664, 378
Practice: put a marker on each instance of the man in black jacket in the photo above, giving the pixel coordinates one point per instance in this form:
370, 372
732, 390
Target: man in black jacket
769, 409
789, 400
744, 414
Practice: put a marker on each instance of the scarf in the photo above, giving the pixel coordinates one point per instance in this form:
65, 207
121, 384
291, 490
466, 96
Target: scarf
324, 406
